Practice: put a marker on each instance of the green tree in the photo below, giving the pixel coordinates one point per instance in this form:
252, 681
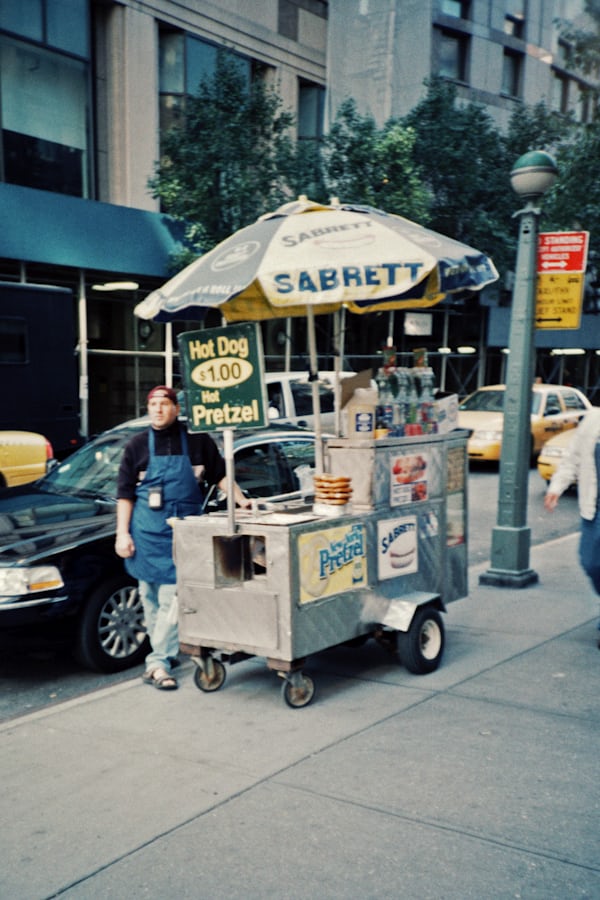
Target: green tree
400, 188
536, 128
229, 159
464, 165
375, 167
305, 173
348, 155
582, 48
574, 202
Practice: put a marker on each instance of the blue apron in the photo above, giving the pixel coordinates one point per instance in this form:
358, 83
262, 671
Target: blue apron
152, 536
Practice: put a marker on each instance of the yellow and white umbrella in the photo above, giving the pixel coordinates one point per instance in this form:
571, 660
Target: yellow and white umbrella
306, 259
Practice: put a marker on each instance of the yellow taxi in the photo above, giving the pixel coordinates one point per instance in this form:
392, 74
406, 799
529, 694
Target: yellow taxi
24, 456
552, 453
554, 408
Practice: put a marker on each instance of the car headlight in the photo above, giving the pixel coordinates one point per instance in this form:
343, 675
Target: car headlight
487, 435
23, 580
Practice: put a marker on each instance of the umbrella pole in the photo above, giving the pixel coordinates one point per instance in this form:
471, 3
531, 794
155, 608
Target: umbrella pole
314, 380
230, 476
288, 344
337, 392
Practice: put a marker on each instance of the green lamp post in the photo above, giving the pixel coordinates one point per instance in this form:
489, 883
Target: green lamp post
533, 174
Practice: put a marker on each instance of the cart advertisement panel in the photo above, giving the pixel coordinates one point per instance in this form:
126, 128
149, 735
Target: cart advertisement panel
332, 561
397, 547
455, 503
409, 477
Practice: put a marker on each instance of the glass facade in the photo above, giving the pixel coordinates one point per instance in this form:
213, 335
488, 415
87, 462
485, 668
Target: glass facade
184, 62
511, 74
44, 95
311, 104
452, 55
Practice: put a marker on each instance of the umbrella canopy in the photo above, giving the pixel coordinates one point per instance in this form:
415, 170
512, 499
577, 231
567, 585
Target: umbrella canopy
306, 256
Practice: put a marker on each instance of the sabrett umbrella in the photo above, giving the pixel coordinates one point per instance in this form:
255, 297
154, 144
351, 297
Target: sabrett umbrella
307, 258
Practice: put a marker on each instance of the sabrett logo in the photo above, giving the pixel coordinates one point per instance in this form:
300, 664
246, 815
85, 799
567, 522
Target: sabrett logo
330, 279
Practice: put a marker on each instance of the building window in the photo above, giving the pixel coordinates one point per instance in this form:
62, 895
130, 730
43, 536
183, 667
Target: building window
560, 93
584, 104
511, 74
311, 103
62, 24
514, 18
514, 26
564, 51
287, 19
452, 52
457, 8
44, 114
184, 63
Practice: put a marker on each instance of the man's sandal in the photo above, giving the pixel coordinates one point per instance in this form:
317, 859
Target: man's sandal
160, 679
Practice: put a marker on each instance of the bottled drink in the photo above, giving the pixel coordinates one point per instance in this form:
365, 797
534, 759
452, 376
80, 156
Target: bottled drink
385, 409
412, 415
427, 405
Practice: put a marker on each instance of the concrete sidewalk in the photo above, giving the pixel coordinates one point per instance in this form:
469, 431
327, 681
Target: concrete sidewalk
478, 781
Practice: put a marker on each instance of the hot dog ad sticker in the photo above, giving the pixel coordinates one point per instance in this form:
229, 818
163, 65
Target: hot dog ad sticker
408, 479
397, 547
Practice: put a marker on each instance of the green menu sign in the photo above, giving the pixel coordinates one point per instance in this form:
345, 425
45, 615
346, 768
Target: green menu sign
222, 371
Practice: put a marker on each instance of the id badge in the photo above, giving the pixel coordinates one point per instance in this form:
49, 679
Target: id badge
155, 497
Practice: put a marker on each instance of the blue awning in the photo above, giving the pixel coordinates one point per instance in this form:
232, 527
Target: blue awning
44, 227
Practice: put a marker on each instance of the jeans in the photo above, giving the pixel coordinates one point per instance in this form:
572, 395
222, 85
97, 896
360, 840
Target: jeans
161, 623
589, 550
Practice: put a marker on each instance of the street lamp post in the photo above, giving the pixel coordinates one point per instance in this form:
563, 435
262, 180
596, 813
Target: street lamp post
533, 174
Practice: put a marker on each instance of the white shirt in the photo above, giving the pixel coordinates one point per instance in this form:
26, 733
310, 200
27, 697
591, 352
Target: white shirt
579, 465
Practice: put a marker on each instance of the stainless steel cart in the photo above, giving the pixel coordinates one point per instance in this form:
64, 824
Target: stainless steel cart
289, 583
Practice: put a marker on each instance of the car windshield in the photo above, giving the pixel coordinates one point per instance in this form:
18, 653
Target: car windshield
303, 399
93, 469
484, 401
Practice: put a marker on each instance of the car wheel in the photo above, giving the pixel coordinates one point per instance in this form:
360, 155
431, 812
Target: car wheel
111, 634
420, 649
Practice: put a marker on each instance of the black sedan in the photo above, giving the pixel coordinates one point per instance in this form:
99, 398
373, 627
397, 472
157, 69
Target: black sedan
60, 578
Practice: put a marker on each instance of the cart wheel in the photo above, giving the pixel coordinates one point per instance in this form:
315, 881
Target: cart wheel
211, 680
421, 647
299, 692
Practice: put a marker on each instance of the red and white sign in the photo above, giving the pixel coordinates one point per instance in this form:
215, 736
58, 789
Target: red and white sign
562, 251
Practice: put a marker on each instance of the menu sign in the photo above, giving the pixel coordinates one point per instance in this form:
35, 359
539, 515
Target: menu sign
223, 370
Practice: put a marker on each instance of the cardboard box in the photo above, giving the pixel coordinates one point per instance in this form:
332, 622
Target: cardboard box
446, 408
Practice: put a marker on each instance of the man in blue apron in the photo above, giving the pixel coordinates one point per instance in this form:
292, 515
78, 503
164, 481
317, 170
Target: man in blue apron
163, 474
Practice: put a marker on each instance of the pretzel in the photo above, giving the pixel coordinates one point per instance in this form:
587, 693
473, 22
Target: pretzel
333, 495
331, 481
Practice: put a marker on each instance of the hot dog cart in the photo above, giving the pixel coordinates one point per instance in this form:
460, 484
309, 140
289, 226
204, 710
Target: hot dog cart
289, 582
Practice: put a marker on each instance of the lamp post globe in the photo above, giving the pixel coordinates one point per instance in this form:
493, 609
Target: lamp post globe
533, 174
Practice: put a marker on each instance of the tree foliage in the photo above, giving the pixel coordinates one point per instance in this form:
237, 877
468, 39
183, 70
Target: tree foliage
574, 202
375, 167
536, 128
445, 164
464, 165
582, 47
228, 161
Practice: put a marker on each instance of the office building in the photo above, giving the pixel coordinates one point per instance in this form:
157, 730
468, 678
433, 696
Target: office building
86, 87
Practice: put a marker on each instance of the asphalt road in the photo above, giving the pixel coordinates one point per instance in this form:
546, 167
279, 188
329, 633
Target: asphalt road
31, 679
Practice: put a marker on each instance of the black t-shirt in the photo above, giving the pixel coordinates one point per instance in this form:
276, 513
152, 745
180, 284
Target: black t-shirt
208, 464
